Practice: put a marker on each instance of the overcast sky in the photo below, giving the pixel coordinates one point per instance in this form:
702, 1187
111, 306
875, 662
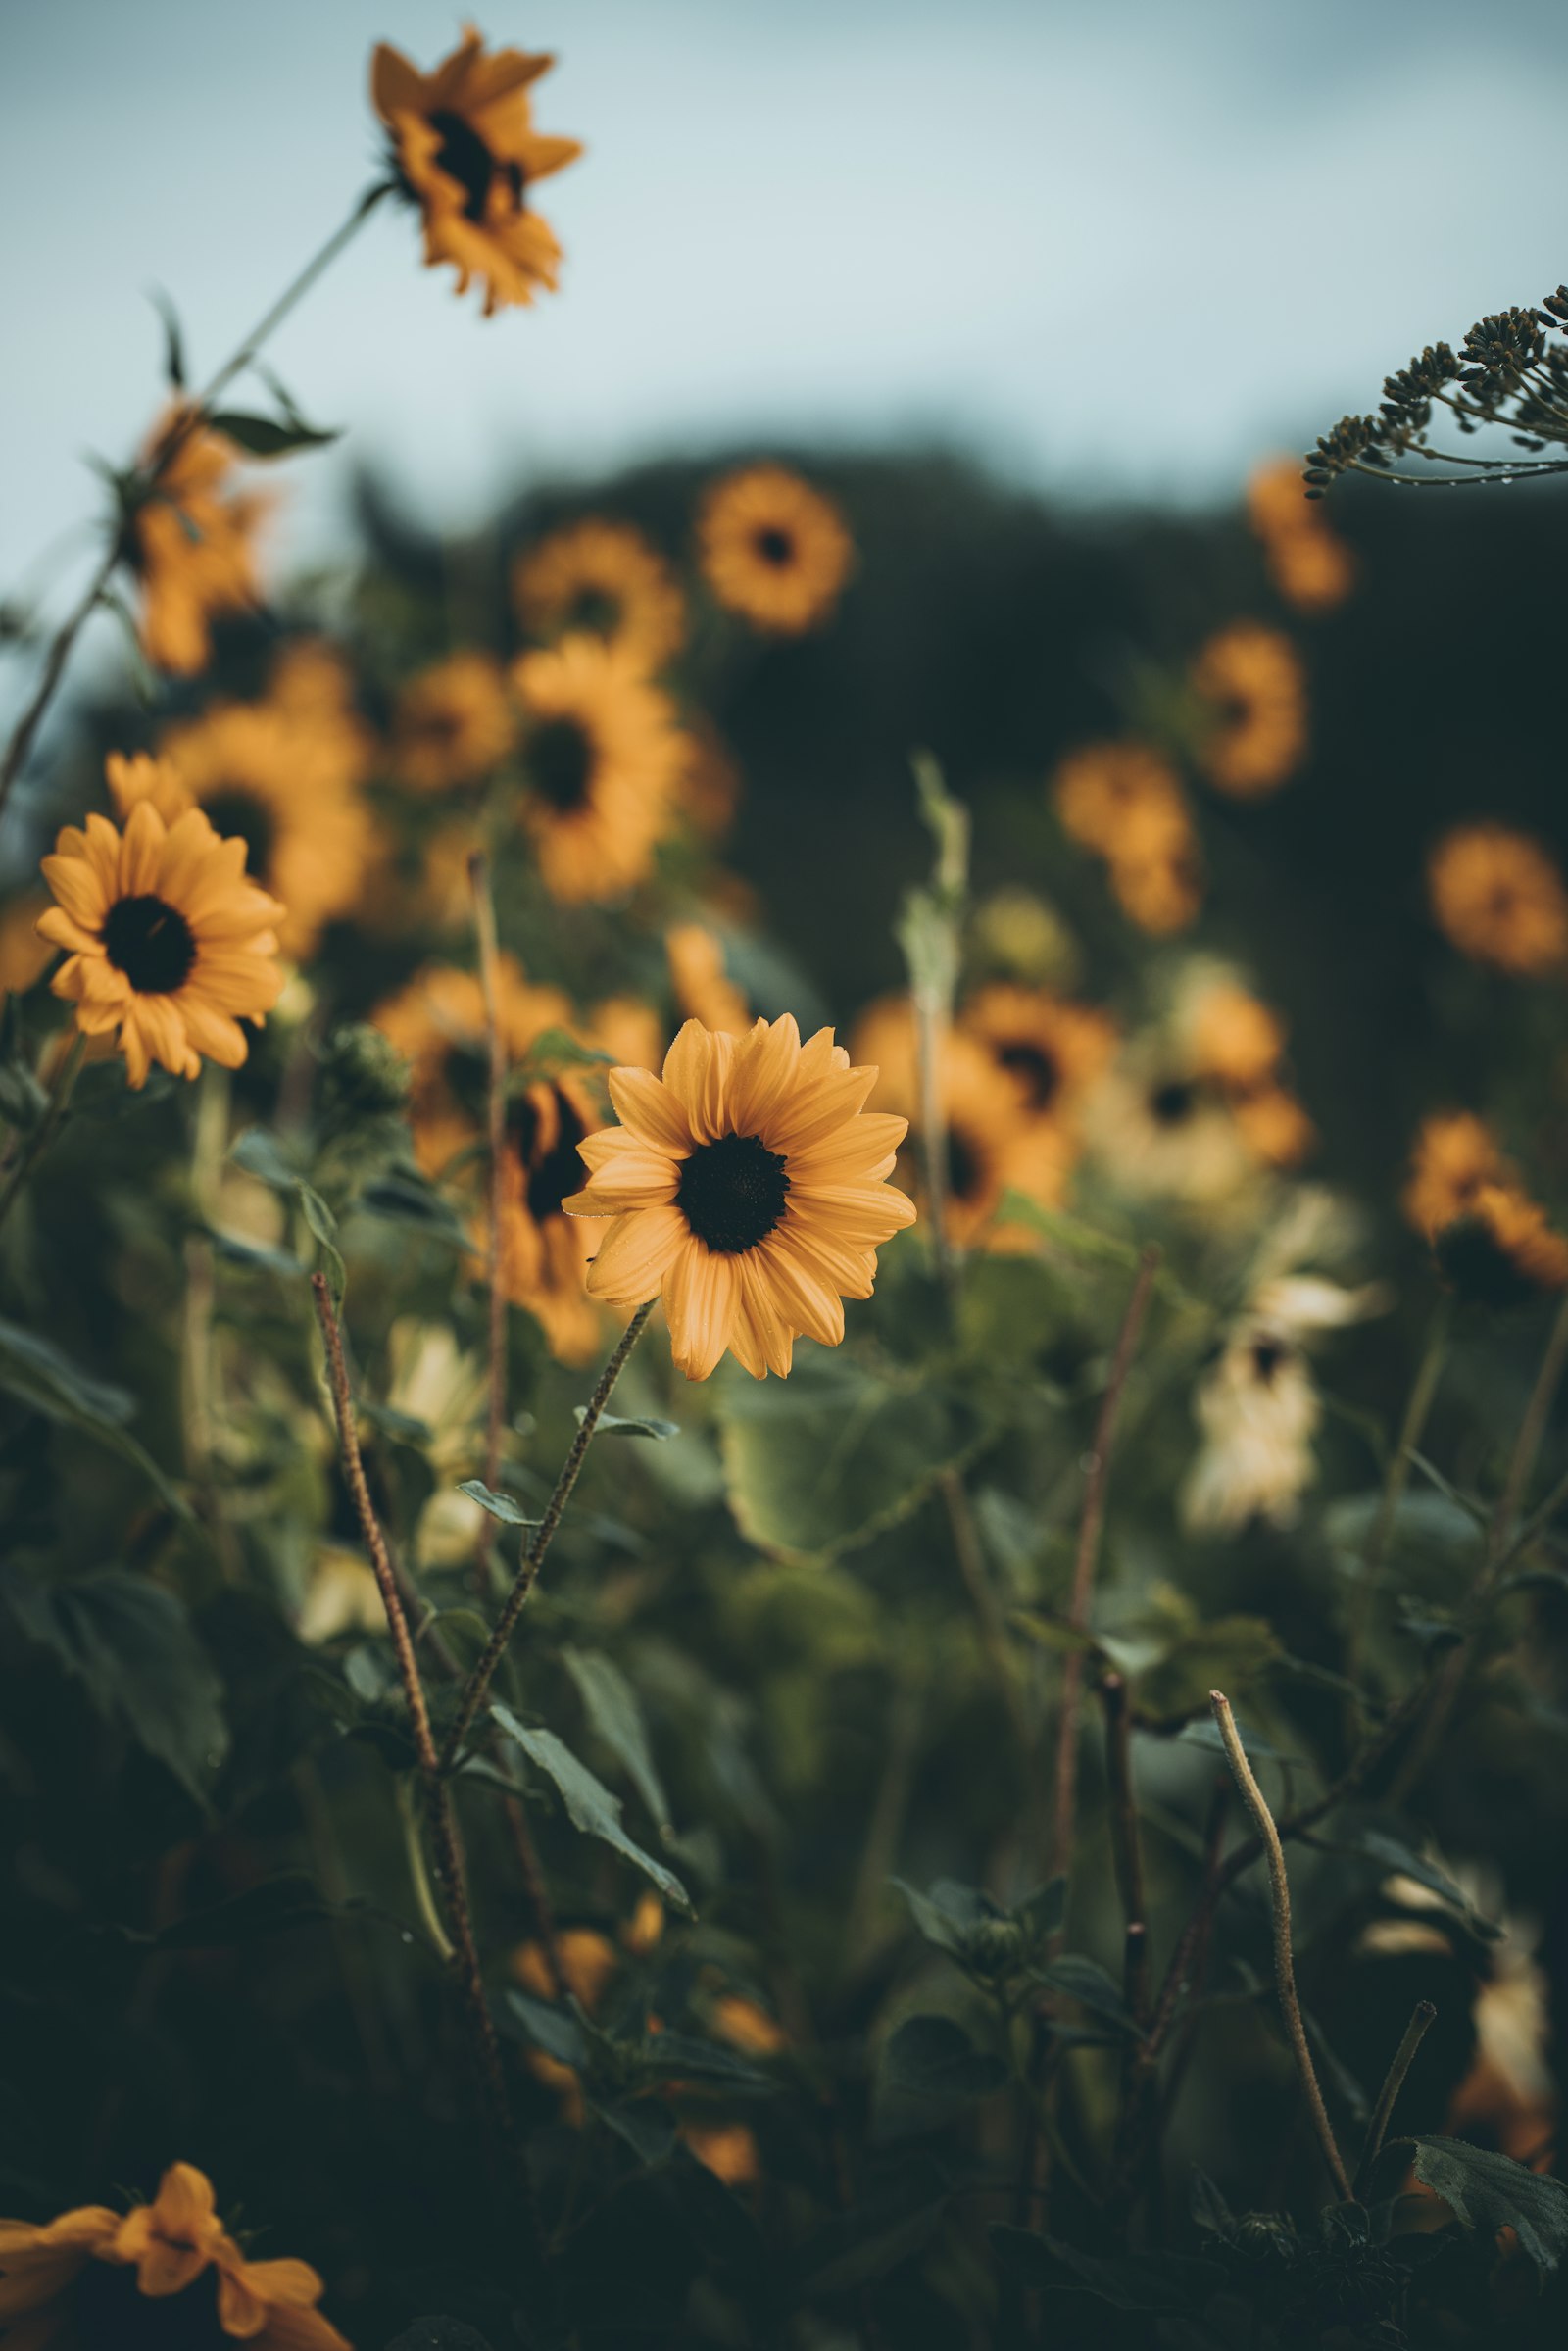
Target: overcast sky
1116, 250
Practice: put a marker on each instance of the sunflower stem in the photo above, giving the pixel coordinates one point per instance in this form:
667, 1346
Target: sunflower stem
1415, 2032
484, 923
479, 1680
1428, 1376
989, 1620
1284, 1957
43, 1134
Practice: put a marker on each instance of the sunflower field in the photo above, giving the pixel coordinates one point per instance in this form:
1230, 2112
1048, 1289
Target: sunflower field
783, 1443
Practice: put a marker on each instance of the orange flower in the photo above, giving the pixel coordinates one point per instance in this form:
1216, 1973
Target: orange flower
703, 988
1309, 565
773, 549
192, 546
1253, 677
600, 751
1124, 799
604, 578
1499, 897
1456, 1154
453, 723
1502, 1253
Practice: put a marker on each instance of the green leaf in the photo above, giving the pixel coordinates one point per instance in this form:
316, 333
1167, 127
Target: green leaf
131, 1645
237, 1249
1208, 2206
262, 1156
555, 1050
929, 2070
590, 1806
679, 2056
1230, 1653
889, 2224
648, 2127
1488, 2193
947, 1915
46, 1381
273, 1906
401, 1198
174, 340
610, 1424
614, 1712
1375, 1842
556, 2030
1149, 2281
1085, 1980
269, 436
499, 1505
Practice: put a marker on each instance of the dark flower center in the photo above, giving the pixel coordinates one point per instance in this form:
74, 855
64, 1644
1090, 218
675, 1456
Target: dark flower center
108, 2312
1038, 1072
732, 1191
546, 1130
596, 611
965, 1169
1267, 1356
241, 816
775, 547
1172, 1103
1474, 1261
463, 157
561, 763
151, 943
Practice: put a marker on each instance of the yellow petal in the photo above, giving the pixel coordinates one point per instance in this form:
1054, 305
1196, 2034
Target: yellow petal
634, 1253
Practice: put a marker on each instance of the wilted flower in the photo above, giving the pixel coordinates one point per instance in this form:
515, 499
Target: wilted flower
1499, 897
1253, 675
773, 549
604, 579
747, 1187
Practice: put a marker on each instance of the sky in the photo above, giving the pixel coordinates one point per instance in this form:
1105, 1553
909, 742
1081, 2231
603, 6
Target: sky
1115, 252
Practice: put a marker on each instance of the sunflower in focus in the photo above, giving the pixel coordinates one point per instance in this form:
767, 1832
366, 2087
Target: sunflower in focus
87, 2278
192, 544
601, 752
1308, 562
167, 945
465, 150
603, 579
452, 724
1125, 802
1253, 675
992, 1142
702, 985
1498, 898
747, 1187
283, 776
773, 549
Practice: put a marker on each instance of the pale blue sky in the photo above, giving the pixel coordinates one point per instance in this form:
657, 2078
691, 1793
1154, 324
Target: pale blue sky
867, 219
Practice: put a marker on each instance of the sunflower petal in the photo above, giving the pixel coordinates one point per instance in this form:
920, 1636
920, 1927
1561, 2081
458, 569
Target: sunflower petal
634, 1255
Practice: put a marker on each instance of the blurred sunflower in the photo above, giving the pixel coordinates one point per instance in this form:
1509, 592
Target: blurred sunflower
600, 751
1236, 1043
435, 1381
167, 942
748, 1186
1253, 677
603, 579
1309, 565
24, 957
85, 2279
465, 152
773, 549
1497, 896
1125, 801
1502, 1252
1162, 1131
702, 985
453, 723
1454, 1155
708, 782
1051, 1049
191, 545
283, 778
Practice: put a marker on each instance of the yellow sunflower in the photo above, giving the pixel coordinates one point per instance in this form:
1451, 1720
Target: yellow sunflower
1238, 1044
708, 785
604, 579
452, 724
1497, 896
85, 2276
773, 549
746, 1185
465, 152
165, 941
23, 955
1309, 565
1503, 1251
192, 547
600, 753
1456, 1154
702, 985
1051, 1049
1253, 677
1125, 801
283, 778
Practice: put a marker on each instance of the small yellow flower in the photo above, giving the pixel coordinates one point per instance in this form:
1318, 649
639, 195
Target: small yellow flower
452, 724
604, 579
167, 945
465, 152
773, 549
1499, 897
1253, 675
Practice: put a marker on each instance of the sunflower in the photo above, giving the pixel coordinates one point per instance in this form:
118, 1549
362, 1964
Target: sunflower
748, 1186
702, 985
23, 955
1238, 1044
465, 152
1502, 1252
1162, 1131
773, 549
1454, 1155
601, 752
1051, 1048
165, 940
191, 545
1124, 801
1497, 896
604, 579
283, 778
992, 1144
1253, 677
708, 785
84, 2279
1312, 568
452, 724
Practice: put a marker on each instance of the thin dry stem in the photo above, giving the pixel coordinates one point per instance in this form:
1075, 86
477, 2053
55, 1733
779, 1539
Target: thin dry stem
1421, 2021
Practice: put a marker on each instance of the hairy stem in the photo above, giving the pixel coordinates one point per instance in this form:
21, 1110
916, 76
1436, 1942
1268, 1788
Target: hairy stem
484, 918
1424, 2016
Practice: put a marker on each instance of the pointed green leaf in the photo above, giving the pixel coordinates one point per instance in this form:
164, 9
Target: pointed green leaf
589, 1804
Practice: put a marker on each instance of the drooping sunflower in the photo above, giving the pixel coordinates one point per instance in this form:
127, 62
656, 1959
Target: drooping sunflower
773, 549
191, 545
465, 152
167, 942
1253, 677
284, 778
601, 752
604, 579
748, 1186
1308, 562
452, 724
1497, 896
86, 2279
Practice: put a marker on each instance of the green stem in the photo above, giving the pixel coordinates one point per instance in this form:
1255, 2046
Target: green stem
1428, 1376
1394, 2082
43, 1134
425, 1901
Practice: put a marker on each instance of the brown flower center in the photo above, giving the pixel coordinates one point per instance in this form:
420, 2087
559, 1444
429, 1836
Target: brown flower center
595, 610
545, 1134
732, 1192
965, 1166
110, 2313
1172, 1103
242, 816
1038, 1073
463, 157
775, 547
151, 943
561, 763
